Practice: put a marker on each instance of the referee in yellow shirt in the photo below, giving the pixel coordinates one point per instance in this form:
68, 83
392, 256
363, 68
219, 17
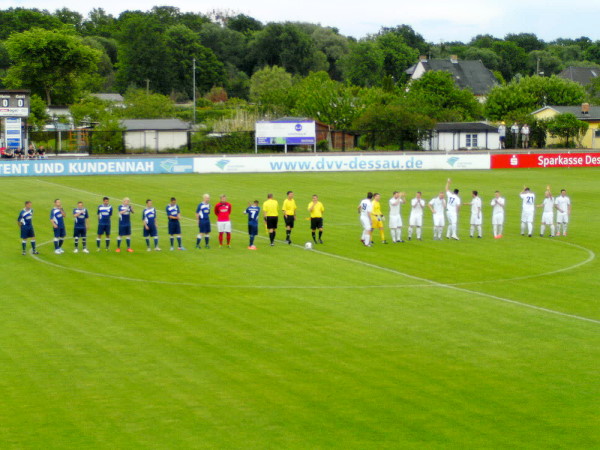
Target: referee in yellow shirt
271, 214
377, 217
316, 210
289, 215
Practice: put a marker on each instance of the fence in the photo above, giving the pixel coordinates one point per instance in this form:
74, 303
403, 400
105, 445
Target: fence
177, 141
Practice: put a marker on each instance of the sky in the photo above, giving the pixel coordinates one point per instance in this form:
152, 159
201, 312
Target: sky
435, 20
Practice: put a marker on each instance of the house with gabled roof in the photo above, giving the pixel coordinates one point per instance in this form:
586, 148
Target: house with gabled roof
449, 136
584, 112
581, 75
467, 74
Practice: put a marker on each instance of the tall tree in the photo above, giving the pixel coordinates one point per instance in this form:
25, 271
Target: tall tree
98, 23
363, 66
513, 59
397, 55
17, 20
52, 63
527, 41
269, 88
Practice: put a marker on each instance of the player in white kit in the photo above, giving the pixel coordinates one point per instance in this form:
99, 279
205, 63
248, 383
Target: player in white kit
562, 203
395, 218
452, 208
476, 215
417, 205
365, 207
498, 203
437, 205
547, 212
527, 211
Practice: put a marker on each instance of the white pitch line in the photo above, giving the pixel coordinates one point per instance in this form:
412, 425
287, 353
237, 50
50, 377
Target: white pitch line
591, 256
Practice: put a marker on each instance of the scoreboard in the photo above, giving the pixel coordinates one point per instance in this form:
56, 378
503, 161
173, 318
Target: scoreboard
14, 103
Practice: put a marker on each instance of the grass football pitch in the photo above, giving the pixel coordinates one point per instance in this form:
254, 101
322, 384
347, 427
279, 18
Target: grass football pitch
479, 343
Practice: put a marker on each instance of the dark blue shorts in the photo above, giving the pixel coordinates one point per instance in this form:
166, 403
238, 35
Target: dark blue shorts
174, 227
59, 232
204, 226
252, 230
79, 232
27, 232
125, 230
103, 229
151, 231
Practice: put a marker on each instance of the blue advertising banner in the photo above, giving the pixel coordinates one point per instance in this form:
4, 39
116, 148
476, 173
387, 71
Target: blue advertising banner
65, 167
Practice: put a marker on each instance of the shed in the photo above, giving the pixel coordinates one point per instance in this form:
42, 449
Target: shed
448, 136
155, 135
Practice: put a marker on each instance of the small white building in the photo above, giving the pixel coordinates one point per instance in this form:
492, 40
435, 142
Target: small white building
448, 136
155, 135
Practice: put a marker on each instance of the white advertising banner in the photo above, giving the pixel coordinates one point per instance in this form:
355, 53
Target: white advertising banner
297, 132
339, 163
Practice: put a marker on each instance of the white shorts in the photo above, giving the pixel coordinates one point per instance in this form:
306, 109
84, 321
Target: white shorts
527, 216
452, 218
395, 221
476, 219
366, 222
438, 220
224, 227
548, 218
415, 220
562, 217
497, 219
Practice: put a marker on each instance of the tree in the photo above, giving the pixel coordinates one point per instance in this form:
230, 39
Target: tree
228, 45
546, 62
269, 87
244, 24
38, 117
68, 17
436, 95
98, 23
409, 36
513, 59
527, 41
184, 46
144, 56
363, 66
397, 55
567, 126
592, 53
17, 20
483, 41
393, 125
488, 57
141, 105
334, 46
530, 93
52, 63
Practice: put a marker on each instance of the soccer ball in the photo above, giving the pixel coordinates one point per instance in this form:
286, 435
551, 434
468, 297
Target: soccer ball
308, 246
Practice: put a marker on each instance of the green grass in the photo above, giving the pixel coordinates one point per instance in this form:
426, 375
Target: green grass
408, 345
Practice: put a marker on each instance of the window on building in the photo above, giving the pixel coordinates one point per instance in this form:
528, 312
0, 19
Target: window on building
471, 140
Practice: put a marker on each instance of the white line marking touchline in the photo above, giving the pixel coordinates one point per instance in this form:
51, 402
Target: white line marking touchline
427, 282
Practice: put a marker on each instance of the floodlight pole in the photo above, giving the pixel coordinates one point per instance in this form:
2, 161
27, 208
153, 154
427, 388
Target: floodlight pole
194, 90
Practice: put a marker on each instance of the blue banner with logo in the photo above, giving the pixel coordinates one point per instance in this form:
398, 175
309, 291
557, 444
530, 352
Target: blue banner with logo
91, 166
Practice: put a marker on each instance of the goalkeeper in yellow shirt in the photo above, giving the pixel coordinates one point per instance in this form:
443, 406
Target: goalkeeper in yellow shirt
377, 217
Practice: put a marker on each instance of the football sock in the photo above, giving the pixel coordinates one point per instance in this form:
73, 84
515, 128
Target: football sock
119, 242
228, 238
76, 242
220, 238
552, 230
60, 243
382, 234
418, 232
33, 245
529, 227
172, 241
320, 234
287, 234
522, 227
272, 236
564, 228
98, 242
314, 236
198, 240
206, 239
179, 241
479, 231
155, 242
84, 242
367, 239
148, 243
542, 229
251, 240
24, 245
55, 244
410, 232
472, 230
128, 241
399, 234
107, 243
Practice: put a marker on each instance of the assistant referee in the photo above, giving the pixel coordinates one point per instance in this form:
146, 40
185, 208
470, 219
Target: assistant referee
271, 215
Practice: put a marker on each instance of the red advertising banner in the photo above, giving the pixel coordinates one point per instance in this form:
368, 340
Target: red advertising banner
535, 160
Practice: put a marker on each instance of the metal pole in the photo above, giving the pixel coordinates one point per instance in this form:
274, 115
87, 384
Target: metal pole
194, 89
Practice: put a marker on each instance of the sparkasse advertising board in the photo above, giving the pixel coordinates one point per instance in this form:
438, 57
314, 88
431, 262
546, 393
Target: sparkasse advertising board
542, 160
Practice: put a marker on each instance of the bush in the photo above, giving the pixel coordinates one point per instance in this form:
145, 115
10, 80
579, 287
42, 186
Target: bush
240, 142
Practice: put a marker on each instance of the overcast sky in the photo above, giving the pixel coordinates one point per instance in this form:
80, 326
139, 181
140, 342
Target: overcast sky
436, 20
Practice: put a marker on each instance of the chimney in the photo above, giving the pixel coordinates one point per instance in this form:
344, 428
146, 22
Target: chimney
454, 59
585, 108
423, 58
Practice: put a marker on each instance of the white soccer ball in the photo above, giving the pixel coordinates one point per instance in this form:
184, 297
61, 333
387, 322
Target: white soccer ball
308, 246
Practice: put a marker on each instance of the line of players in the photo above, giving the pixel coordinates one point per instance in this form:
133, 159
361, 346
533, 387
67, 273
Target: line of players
449, 202
222, 210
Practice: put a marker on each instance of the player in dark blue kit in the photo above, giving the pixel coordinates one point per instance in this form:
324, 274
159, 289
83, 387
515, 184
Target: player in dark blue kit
25, 222
174, 215
125, 210
57, 219
203, 218
81, 216
104, 215
150, 225
253, 211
